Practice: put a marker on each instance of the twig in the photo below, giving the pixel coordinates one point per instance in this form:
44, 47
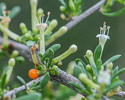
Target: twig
21, 88
120, 94
85, 14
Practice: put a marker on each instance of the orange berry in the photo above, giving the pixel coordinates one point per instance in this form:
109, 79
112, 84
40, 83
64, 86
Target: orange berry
33, 73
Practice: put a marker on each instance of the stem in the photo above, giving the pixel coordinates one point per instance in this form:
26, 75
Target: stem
11, 34
42, 44
33, 4
59, 33
5, 37
72, 49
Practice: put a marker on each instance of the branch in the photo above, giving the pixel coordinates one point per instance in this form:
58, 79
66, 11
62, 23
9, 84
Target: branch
21, 88
85, 14
120, 94
62, 78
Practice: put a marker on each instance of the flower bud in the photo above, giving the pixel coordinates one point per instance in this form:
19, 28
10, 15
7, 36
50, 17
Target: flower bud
89, 53
11, 62
88, 68
54, 67
109, 66
62, 30
28, 36
72, 5
62, 8
40, 11
23, 28
73, 48
53, 23
15, 53
83, 77
63, 16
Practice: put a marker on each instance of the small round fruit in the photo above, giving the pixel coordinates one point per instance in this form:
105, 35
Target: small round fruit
33, 73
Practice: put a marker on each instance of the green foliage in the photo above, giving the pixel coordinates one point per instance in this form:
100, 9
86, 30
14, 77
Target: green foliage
111, 59
107, 8
43, 83
31, 96
71, 7
30, 43
22, 81
15, 11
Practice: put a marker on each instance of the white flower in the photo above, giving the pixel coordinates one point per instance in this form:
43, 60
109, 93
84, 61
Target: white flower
42, 25
103, 36
104, 77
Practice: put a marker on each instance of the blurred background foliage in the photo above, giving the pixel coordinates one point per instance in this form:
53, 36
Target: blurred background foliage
83, 34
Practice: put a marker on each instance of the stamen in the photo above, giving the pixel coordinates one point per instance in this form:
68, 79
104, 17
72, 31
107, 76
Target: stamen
43, 18
104, 25
108, 30
101, 30
40, 18
36, 17
4, 13
47, 17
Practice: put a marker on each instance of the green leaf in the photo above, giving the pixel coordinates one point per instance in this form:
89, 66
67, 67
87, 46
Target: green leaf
118, 73
97, 53
115, 70
20, 59
3, 81
82, 67
94, 68
111, 59
80, 64
22, 81
46, 37
79, 88
43, 83
98, 64
77, 70
31, 96
113, 86
63, 3
115, 14
1, 8
51, 56
30, 43
14, 11
87, 60
54, 47
79, 60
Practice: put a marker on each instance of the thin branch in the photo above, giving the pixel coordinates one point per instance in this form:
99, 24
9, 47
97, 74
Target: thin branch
120, 94
21, 88
85, 14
